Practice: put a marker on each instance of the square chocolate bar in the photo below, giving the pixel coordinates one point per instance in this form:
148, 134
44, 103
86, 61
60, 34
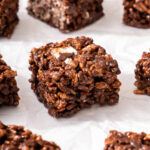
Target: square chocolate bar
66, 15
72, 75
137, 13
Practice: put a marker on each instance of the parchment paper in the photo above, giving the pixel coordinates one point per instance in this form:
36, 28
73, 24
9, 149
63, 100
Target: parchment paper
88, 128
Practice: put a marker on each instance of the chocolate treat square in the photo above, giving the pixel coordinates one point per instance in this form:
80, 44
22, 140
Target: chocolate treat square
8, 16
137, 13
66, 15
72, 75
14, 137
8, 85
142, 75
127, 141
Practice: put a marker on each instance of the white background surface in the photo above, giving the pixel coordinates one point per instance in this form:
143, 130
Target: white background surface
88, 128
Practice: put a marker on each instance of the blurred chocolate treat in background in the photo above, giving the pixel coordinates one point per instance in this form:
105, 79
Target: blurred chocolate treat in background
66, 15
72, 75
142, 75
8, 16
127, 141
8, 85
137, 13
13, 137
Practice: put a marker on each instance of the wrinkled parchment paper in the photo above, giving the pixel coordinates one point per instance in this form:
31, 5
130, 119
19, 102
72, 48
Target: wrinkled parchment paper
88, 128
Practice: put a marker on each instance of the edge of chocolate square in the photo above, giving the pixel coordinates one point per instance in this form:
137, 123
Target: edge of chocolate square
142, 75
127, 141
8, 85
8, 17
67, 15
137, 13
13, 137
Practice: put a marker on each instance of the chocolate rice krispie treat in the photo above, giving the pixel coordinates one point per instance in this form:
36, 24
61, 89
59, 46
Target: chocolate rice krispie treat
142, 75
14, 137
127, 141
8, 16
66, 15
8, 85
72, 75
137, 13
